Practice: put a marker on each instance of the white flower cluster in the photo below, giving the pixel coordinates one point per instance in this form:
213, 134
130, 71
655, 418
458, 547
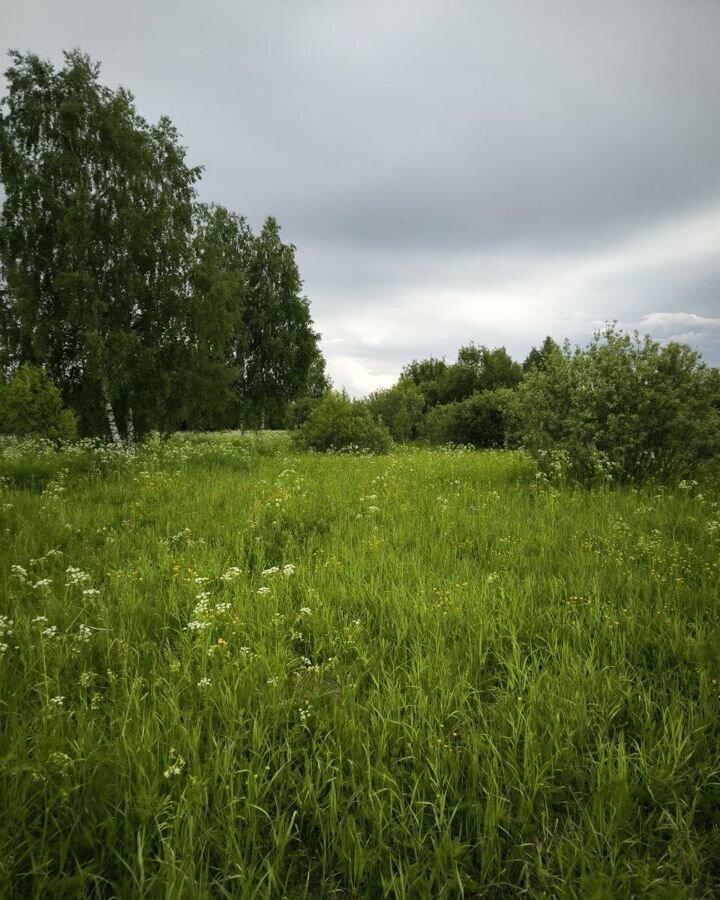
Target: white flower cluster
232, 573
42, 583
76, 576
204, 682
177, 764
287, 570
19, 572
84, 634
6, 629
57, 702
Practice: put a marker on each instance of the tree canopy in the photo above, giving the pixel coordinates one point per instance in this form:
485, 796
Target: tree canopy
146, 308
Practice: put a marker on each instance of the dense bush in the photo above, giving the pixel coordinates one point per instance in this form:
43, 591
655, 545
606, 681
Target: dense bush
480, 420
31, 406
339, 423
623, 409
400, 408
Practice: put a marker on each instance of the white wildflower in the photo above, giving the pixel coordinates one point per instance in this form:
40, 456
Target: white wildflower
177, 764
204, 682
271, 571
42, 583
288, 569
50, 632
57, 702
232, 573
19, 572
84, 633
263, 590
76, 576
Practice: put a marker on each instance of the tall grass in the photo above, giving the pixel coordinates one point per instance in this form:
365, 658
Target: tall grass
454, 681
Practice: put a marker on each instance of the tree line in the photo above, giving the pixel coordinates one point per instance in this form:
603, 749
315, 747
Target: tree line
624, 408
146, 308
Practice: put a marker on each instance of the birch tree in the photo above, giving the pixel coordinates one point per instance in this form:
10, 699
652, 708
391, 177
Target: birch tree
94, 241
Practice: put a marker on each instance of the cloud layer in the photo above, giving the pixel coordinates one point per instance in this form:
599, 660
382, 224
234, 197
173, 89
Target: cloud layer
449, 171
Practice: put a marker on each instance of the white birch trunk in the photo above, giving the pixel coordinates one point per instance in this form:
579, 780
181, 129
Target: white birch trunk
110, 415
130, 431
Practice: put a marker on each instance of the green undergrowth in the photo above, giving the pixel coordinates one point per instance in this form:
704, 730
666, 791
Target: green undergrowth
230, 670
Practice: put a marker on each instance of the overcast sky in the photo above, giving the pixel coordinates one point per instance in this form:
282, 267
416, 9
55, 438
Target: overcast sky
488, 170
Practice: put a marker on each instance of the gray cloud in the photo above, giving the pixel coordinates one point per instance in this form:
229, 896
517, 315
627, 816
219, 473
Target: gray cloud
449, 171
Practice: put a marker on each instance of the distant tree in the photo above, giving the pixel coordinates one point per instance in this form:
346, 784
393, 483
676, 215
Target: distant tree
94, 241
624, 408
31, 406
209, 389
400, 408
427, 374
537, 359
318, 386
279, 345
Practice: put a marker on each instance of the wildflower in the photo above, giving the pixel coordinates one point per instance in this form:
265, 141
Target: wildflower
19, 572
200, 579
39, 620
84, 634
91, 592
86, 679
288, 569
263, 590
177, 764
271, 571
232, 573
204, 682
305, 611
58, 702
76, 576
196, 626
49, 632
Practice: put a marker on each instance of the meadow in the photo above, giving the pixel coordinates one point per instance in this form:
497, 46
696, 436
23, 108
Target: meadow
233, 670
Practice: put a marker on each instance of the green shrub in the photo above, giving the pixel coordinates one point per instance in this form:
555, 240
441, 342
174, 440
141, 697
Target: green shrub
623, 409
400, 408
480, 420
31, 406
339, 423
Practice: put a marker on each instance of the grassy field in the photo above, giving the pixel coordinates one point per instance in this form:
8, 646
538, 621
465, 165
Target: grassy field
232, 671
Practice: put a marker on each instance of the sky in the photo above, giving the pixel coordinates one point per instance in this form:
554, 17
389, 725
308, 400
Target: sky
453, 171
